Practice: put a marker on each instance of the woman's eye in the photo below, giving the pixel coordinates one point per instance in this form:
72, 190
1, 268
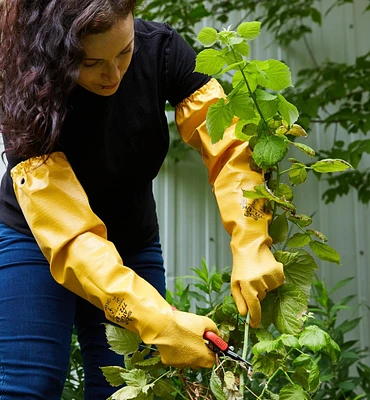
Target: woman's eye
90, 65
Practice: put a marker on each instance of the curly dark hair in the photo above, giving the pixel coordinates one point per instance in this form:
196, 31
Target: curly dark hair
40, 54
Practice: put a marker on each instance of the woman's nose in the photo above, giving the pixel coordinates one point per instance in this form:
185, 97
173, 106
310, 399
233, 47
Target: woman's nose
112, 73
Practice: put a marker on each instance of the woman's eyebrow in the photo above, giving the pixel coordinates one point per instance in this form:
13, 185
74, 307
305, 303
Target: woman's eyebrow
98, 59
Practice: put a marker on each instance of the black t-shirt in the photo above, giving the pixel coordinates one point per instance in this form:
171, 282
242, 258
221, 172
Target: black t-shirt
117, 144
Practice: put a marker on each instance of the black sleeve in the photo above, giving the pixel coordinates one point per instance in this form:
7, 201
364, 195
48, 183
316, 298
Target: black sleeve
181, 79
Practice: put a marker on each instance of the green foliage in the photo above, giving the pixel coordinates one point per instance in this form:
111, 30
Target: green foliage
310, 363
74, 385
334, 95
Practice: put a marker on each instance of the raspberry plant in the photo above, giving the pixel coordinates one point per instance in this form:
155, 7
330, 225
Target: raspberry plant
286, 349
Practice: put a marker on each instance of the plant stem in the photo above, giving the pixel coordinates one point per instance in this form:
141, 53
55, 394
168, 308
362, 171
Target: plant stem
253, 96
244, 352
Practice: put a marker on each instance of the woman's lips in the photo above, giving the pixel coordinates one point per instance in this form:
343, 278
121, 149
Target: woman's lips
109, 86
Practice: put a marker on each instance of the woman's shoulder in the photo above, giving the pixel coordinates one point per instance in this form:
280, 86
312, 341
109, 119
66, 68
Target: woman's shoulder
148, 29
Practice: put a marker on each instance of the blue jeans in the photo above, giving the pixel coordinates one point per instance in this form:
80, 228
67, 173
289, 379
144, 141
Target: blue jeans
37, 316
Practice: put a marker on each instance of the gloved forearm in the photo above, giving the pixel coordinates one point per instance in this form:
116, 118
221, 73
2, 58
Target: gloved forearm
73, 239
255, 269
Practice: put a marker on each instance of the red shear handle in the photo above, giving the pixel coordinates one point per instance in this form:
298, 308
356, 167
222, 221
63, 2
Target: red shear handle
216, 340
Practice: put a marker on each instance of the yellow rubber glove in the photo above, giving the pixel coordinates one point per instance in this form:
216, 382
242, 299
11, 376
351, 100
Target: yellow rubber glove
73, 240
255, 270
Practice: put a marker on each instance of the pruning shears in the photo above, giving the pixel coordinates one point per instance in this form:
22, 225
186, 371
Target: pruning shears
218, 345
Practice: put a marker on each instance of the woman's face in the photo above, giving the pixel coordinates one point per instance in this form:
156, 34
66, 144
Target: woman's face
108, 55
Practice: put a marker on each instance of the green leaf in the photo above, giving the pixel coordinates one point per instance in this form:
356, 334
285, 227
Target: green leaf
135, 377
330, 165
287, 110
265, 191
267, 364
269, 150
293, 392
301, 219
290, 306
290, 341
297, 174
278, 229
277, 74
304, 148
126, 393
268, 108
113, 375
242, 48
299, 268
285, 191
219, 118
121, 340
307, 376
314, 338
266, 346
241, 104
249, 30
209, 61
325, 252
266, 96
299, 240
216, 387
244, 130
320, 235
207, 36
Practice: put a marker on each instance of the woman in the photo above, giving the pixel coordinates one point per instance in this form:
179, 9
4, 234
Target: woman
83, 95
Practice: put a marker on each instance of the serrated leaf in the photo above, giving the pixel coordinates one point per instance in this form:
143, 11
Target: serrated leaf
278, 229
209, 61
242, 48
216, 387
320, 235
268, 108
126, 393
229, 379
264, 190
290, 341
269, 150
287, 110
301, 219
297, 130
249, 30
207, 36
293, 392
266, 346
135, 377
330, 165
304, 148
241, 104
219, 118
113, 375
290, 306
148, 362
267, 364
277, 74
265, 96
308, 376
121, 340
299, 267
325, 252
314, 338
285, 191
299, 240
297, 174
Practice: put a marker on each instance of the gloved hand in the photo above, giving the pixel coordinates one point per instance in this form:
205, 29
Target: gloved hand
255, 270
73, 240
